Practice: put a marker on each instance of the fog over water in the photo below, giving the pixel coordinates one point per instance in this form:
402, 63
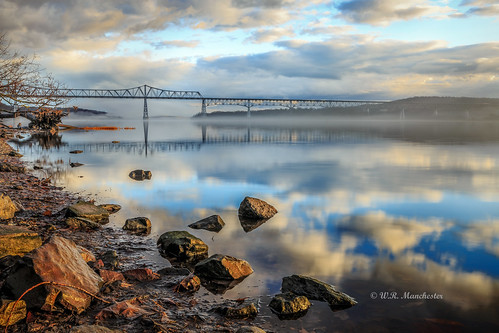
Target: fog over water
369, 206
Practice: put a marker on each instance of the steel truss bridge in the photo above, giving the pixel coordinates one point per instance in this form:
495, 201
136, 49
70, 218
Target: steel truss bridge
146, 92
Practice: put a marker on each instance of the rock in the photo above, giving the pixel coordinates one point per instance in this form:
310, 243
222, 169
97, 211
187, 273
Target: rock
250, 329
140, 175
141, 274
111, 276
6, 167
111, 208
223, 267
138, 224
93, 329
182, 246
130, 309
75, 164
88, 211
16, 240
317, 290
80, 223
76, 151
174, 271
7, 309
244, 311
213, 223
6, 263
14, 153
56, 261
86, 254
250, 224
7, 207
110, 259
190, 284
254, 208
289, 305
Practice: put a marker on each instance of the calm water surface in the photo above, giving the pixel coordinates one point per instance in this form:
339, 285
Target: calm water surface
375, 208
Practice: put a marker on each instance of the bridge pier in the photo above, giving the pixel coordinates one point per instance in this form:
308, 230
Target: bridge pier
203, 108
146, 113
248, 105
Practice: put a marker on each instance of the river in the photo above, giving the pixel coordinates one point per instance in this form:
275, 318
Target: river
403, 216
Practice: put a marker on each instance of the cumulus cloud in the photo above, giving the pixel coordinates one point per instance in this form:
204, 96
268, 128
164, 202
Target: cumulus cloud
176, 43
483, 234
481, 7
271, 35
384, 12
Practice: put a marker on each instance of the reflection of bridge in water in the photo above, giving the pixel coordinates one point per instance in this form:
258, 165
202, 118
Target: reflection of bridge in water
246, 135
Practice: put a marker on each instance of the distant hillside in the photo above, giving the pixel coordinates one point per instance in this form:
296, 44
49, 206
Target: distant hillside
80, 111
451, 108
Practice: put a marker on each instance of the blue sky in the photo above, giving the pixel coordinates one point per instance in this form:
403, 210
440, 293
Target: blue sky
376, 49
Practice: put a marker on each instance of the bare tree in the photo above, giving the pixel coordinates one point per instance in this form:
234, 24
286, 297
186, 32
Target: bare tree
23, 81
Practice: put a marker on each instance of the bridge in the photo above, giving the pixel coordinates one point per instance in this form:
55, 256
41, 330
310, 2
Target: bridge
146, 92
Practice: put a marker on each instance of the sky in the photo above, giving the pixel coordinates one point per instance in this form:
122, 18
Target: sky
356, 49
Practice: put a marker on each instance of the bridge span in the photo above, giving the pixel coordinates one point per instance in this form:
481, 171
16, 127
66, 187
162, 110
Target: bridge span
146, 92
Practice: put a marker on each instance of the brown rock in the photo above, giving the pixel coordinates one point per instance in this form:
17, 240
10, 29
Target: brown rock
6, 167
111, 208
182, 246
223, 267
88, 211
141, 274
86, 254
16, 240
139, 224
7, 207
289, 305
244, 311
254, 208
250, 329
140, 175
190, 283
211, 223
80, 223
110, 276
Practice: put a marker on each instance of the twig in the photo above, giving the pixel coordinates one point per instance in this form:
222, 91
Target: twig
55, 284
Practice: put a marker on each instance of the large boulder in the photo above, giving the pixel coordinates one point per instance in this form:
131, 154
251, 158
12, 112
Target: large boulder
58, 261
254, 208
182, 246
289, 305
16, 240
138, 224
222, 267
317, 290
140, 175
88, 210
211, 223
7, 207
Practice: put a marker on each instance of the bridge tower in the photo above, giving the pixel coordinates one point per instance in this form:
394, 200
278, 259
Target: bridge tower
248, 105
146, 113
203, 108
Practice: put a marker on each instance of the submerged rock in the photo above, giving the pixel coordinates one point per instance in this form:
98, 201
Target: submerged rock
254, 208
138, 224
56, 261
7, 309
212, 223
289, 305
317, 290
140, 174
88, 210
222, 267
182, 246
15, 240
7, 207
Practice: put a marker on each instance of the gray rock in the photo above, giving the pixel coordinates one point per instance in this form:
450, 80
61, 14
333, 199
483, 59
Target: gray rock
317, 290
211, 223
7, 207
222, 267
88, 210
289, 305
140, 174
182, 246
139, 224
254, 208
15, 240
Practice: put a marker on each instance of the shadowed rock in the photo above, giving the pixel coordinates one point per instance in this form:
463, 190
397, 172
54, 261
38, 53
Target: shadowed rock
253, 208
317, 290
88, 210
140, 174
80, 223
16, 240
212, 223
289, 305
222, 267
182, 246
138, 224
250, 224
241, 312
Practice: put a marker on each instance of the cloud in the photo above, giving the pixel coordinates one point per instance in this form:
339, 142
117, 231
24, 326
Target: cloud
384, 12
176, 43
481, 7
271, 35
483, 234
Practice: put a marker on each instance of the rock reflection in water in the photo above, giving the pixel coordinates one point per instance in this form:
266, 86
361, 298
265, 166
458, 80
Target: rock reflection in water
219, 287
251, 224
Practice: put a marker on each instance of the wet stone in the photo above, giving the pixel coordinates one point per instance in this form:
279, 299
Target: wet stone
80, 223
140, 175
7, 207
241, 312
110, 259
182, 246
254, 208
16, 240
138, 224
212, 223
289, 305
223, 267
88, 210
111, 208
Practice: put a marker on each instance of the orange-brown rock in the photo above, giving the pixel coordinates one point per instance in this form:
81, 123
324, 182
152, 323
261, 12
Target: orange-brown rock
15, 240
254, 208
223, 267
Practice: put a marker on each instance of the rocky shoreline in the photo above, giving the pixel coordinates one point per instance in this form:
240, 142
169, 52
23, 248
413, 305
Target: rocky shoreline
113, 288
